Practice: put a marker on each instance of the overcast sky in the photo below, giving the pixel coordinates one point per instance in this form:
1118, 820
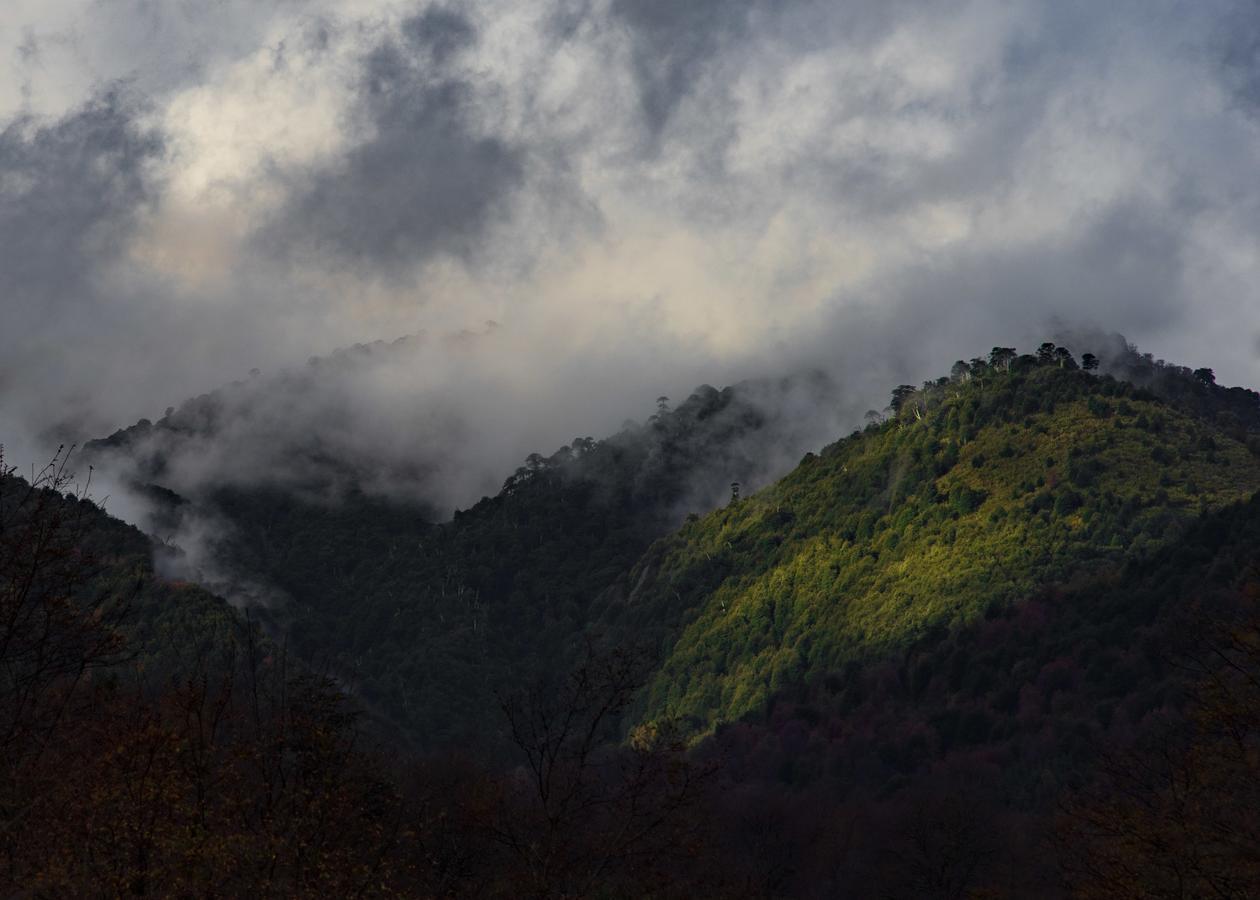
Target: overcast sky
642, 194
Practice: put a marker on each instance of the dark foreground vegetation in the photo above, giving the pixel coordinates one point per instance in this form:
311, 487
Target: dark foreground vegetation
1003, 642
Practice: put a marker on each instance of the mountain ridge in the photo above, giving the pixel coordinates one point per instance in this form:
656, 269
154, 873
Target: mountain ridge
1092, 448
1000, 453
504, 584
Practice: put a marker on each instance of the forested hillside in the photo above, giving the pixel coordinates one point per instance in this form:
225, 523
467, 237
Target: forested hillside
428, 621
1096, 739
1002, 641
975, 492
109, 566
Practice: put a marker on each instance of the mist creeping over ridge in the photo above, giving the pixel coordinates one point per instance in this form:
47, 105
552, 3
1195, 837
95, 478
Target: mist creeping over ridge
316, 433
576, 207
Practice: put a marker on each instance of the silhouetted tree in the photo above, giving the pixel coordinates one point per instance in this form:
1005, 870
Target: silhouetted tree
901, 393
55, 629
584, 814
1002, 357
940, 849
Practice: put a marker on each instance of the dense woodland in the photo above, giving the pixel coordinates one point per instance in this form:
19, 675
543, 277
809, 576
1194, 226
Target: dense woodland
429, 621
1002, 641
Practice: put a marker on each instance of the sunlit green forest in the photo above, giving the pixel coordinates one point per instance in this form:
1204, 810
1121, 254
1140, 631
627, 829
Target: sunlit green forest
966, 500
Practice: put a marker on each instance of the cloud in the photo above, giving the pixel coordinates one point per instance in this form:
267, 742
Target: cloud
1239, 42
424, 181
672, 43
71, 194
443, 32
54, 53
643, 195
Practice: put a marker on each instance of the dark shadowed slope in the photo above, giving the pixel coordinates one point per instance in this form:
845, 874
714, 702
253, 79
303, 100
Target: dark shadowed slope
427, 621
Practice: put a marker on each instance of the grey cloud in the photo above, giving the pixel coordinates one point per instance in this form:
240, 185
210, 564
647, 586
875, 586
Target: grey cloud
672, 42
565, 19
443, 32
69, 195
72, 193
158, 47
313, 38
1240, 54
1124, 266
425, 182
